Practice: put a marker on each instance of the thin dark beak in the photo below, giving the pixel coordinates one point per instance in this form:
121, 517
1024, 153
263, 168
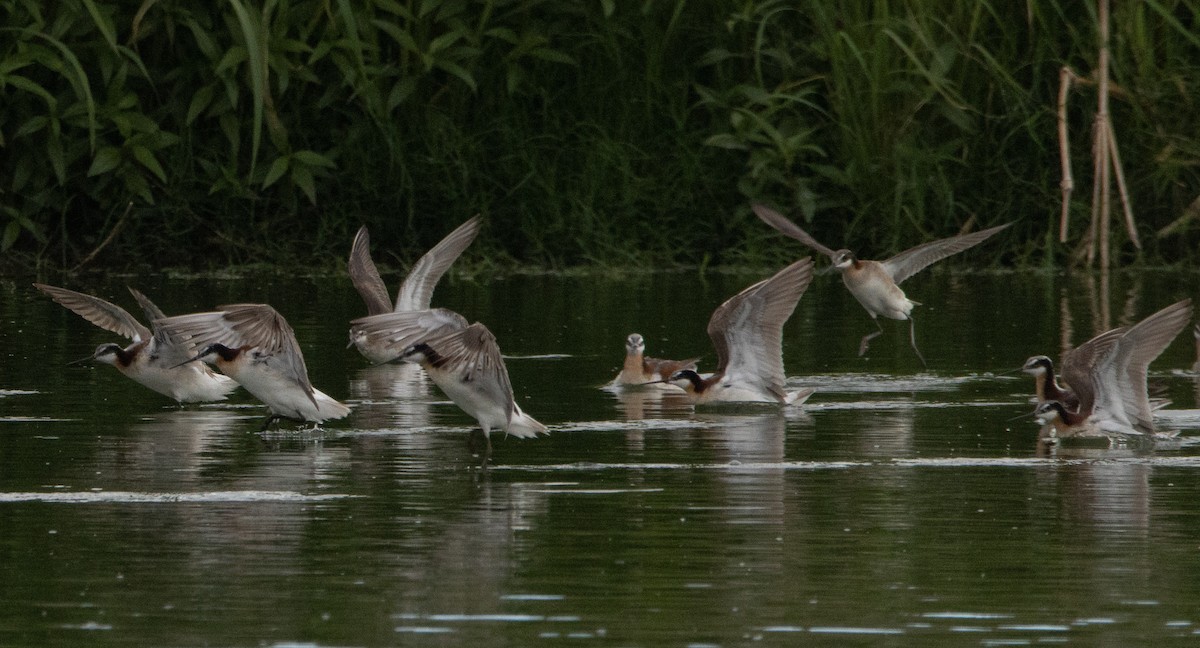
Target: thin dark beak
1011, 371
1026, 415
350, 343
188, 361
655, 382
81, 360
826, 270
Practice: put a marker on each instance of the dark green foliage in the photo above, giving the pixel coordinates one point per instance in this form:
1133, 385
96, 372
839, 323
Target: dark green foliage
614, 133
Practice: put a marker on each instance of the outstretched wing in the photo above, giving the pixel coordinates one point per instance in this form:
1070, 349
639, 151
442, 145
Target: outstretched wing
1078, 364
911, 261
417, 289
166, 346
365, 276
1121, 375
788, 228
747, 330
398, 331
107, 316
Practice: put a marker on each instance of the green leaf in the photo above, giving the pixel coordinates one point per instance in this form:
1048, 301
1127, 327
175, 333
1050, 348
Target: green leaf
18, 81
54, 151
106, 160
106, 28
10, 235
278, 168
314, 159
458, 71
147, 159
304, 180
34, 125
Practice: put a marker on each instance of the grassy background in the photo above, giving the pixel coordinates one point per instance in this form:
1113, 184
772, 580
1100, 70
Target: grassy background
181, 134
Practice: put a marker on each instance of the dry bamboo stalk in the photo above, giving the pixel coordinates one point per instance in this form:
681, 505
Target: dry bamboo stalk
1065, 77
1102, 131
1122, 190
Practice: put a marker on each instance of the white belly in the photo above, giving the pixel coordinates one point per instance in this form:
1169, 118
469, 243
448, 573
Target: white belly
881, 297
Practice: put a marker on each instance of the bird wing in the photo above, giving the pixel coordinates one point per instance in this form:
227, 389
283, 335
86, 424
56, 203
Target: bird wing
107, 316
1078, 364
911, 261
788, 228
400, 330
166, 346
244, 325
476, 359
747, 330
365, 276
1123, 371
417, 289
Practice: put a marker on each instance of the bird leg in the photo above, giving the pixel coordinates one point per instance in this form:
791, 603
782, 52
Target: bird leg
267, 423
473, 446
866, 340
912, 336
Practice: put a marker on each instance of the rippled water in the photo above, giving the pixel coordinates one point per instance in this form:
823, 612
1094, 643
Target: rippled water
899, 507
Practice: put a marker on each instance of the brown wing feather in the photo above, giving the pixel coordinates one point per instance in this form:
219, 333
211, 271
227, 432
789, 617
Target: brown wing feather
910, 262
365, 276
417, 290
107, 316
788, 228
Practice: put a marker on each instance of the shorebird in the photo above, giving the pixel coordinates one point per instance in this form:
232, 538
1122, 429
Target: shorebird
640, 369
416, 290
747, 332
875, 284
255, 346
1112, 393
1077, 364
152, 358
463, 360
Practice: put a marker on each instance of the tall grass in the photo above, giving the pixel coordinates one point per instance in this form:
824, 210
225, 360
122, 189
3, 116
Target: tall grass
587, 132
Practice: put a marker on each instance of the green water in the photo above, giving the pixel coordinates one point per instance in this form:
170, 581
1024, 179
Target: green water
899, 507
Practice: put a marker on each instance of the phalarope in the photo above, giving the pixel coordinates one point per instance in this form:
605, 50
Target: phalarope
747, 332
1077, 364
254, 345
462, 359
875, 284
416, 290
1112, 393
152, 358
640, 369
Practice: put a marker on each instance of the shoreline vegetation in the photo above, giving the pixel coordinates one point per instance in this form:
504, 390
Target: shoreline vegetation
588, 133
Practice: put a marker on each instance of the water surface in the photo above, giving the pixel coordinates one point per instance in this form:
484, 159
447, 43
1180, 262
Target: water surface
901, 506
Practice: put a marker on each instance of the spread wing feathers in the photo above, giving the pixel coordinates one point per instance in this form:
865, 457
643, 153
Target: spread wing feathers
747, 330
365, 276
910, 262
400, 330
473, 357
109, 317
788, 228
1078, 363
1122, 373
166, 346
245, 325
417, 289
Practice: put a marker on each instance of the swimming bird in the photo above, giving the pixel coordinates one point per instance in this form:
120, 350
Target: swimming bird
1112, 393
462, 359
416, 290
876, 284
747, 332
254, 345
640, 369
152, 358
